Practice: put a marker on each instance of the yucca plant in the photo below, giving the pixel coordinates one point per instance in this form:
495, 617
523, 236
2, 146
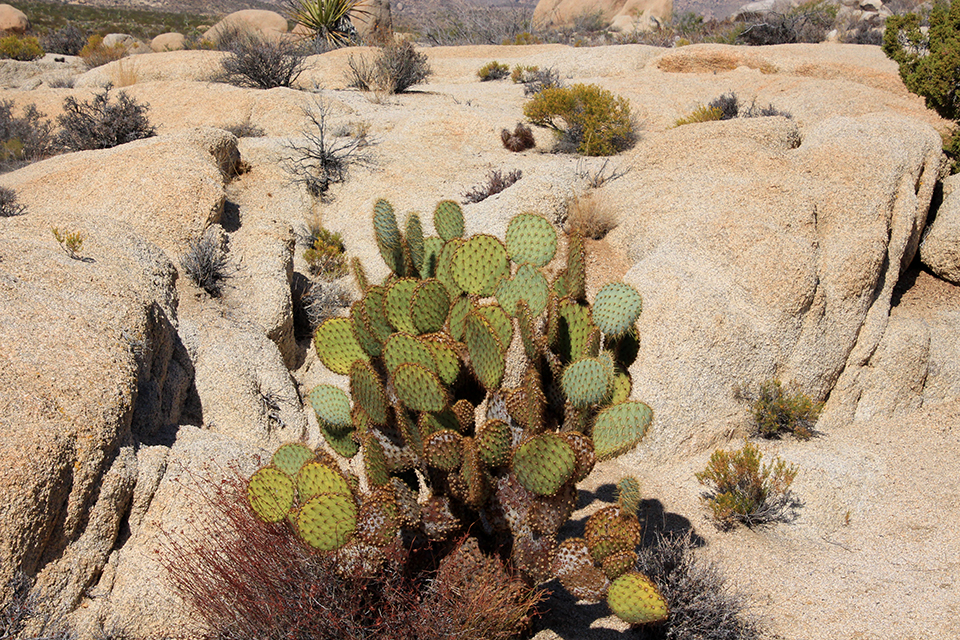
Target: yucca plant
327, 19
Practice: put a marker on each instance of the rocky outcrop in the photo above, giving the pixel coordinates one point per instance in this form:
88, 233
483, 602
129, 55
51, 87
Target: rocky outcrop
12, 20
168, 42
269, 24
620, 15
941, 243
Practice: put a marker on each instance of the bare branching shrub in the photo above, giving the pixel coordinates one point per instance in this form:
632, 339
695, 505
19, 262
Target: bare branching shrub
25, 138
246, 129
489, 25
397, 67
68, 40
589, 216
742, 489
520, 139
102, 124
314, 301
319, 159
728, 104
206, 264
534, 79
702, 604
9, 207
808, 22
19, 607
496, 182
596, 178
259, 62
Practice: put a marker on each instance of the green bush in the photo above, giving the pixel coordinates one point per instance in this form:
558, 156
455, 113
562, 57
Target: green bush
703, 113
325, 258
96, 54
741, 489
588, 119
776, 411
22, 49
493, 71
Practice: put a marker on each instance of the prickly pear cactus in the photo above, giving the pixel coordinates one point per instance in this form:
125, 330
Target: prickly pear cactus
451, 441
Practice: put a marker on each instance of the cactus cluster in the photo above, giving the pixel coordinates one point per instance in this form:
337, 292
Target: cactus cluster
450, 441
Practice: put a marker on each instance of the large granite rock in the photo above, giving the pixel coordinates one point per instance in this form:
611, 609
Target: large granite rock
629, 15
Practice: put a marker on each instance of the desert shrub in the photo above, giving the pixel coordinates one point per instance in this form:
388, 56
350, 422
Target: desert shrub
520, 139
397, 67
534, 79
206, 264
245, 129
589, 216
728, 104
246, 579
325, 257
742, 489
20, 48
587, 119
776, 411
19, 607
753, 111
493, 71
327, 20
318, 159
315, 300
702, 604
487, 25
254, 61
703, 113
68, 40
808, 22
597, 177
9, 206
70, 241
96, 54
102, 124
588, 21
24, 138
496, 182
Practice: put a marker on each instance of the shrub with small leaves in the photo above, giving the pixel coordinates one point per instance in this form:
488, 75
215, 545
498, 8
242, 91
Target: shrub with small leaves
68, 40
9, 206
776, 411
96, 54
534, 79
493, 71
496, 182
587, 119
22, 49
206, 264
703, 113
397, 67
742, 489
70, 241
259, 62
23, 138
325, 258
102, 124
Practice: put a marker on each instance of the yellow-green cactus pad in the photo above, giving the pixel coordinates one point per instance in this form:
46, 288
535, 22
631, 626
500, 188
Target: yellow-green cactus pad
271, 493
617, 564
374, 303
337, 345
458, 316
340, 441
432, 246
363, 329
587, 382
442, 347
414, 242
636, 600
531, 239
486, 351
445, 267
619, 428
574, 330
544, 463
291, 456
479, 264
403, 348
430, 306
315, 478
583, 449
419, 389
616, 307
398, 303
332, 407
576, 274
529, 285
327, 521
493, 442
448, 220
367, 391
375, 461
388, 236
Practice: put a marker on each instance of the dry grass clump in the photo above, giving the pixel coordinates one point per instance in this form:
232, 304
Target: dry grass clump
397, 67
590, 216
96, 54
206, 264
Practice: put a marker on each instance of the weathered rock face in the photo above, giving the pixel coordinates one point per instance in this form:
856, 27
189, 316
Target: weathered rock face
268, 23
941, 244
621, 15
168, 42
12, 19
376, 21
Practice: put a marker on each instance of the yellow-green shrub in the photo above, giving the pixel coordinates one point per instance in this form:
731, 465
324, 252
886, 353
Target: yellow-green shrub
493, 71
96, 54
17, 48
588, 119
703, 113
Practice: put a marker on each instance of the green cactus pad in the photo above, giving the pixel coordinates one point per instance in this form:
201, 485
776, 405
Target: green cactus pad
363, 330
619, 428
327, 521
485, 350
544, 463
409, 432
458, 316
499, 321
466, 417
430, 423
341, 441
403, 348
493, 442
622, 386
398, 303
528, 330
443, 349
610, 522
419, 388
388, 236
587, 382
290, 457
529, 285
432, 247
602, 547
444, 450
635, 599
574, 330
628, 495
374, 302
616, 307
448, 220
409, 508
583, 449
429, 306
315, 478
367, 391
337, 345
576, 274
479, 264
271, 493
332, 407
414, 242
531, 239
445, 267
375, 461
359, 274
